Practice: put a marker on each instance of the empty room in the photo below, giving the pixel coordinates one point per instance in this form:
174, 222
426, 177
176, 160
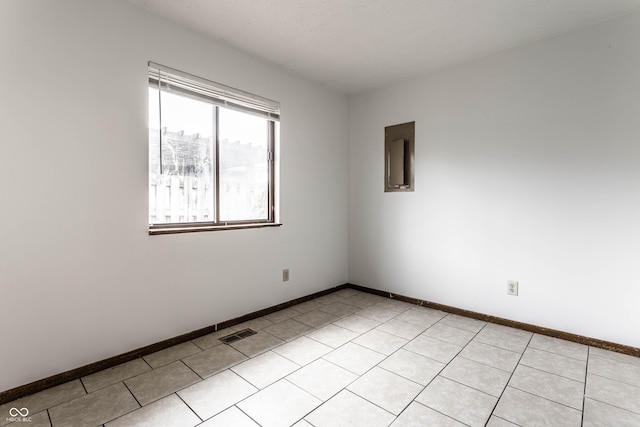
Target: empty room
320, 213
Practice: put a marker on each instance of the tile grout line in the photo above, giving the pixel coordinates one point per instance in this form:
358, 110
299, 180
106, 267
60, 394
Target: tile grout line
509, 380
584, 393
301, 366
484, 364
83, 386
545, 398
614, 406
506, 420
560, 354
549, 373
189, 367
367, 400
468, 386
239, 409
455, 327
188, 406
147, 363
616, 381
322, 402
201, 349
562, 404
134, 396
631, 364
409, 379
434, 410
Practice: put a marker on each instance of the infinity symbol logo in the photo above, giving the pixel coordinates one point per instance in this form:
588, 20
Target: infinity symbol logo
14, 412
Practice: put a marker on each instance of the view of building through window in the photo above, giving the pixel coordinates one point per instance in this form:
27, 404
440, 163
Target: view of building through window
182, 162
244, 166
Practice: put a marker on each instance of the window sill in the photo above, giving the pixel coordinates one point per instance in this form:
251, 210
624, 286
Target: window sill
193, 229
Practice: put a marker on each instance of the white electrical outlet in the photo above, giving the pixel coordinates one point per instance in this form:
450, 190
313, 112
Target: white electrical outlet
285, 275
512, 288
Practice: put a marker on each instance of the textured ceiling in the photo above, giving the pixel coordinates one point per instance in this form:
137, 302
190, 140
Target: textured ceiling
355, 45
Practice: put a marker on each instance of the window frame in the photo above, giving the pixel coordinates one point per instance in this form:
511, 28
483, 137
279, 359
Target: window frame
220, 96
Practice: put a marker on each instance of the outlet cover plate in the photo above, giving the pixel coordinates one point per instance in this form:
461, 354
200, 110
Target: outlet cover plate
512, 288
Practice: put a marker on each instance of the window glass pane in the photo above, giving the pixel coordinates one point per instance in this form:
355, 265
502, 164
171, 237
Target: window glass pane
181, 162
244, 166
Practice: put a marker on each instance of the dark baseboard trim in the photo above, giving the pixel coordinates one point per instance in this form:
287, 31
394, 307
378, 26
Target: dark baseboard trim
83, 371
54, 380
618, 348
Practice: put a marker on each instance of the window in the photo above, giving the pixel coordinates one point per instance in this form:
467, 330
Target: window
211, 155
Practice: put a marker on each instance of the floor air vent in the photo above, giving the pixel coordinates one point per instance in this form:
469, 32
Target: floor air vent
237, 336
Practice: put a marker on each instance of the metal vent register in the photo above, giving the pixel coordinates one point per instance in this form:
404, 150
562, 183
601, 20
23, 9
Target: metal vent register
237, 336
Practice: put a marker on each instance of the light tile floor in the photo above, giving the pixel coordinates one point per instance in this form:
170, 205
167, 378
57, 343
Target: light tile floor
351, 358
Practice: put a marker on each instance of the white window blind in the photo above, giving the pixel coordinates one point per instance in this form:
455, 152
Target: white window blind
169, 79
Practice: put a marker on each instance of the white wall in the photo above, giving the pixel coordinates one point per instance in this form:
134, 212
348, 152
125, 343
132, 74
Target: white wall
527, 169
80, 278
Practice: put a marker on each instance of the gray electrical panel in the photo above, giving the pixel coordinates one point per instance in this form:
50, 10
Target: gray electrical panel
399, 157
